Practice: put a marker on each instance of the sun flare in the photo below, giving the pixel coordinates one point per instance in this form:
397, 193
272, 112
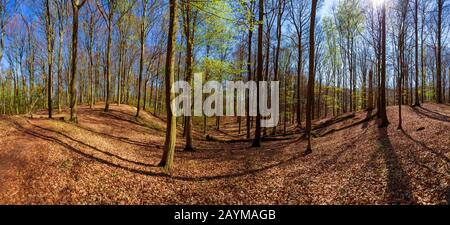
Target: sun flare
377, 2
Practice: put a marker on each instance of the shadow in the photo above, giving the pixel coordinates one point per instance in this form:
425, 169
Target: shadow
144, 172
326, 164
92, 157
121, 139
133, 121
87, 145
448, 196
431, 114
245, 173
421, 144
369, 115
398, 183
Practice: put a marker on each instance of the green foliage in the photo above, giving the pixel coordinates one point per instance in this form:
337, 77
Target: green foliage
219, 70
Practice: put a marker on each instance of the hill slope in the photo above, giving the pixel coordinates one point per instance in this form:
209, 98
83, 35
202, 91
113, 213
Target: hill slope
110, 158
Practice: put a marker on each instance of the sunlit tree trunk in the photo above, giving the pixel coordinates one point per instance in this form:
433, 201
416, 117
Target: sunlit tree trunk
49, 32
76, 5
171, 129
141, 62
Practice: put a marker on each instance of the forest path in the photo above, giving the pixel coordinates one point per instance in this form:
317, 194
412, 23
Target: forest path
110, 158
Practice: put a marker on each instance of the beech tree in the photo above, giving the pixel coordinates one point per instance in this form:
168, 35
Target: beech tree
311, 77
171, 130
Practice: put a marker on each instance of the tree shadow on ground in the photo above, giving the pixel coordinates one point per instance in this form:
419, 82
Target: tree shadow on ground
146, 172
425, 147
368, 116
398, 183
121, 139
78, 142
431, 114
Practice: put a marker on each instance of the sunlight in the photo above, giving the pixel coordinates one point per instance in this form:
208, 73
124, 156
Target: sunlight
377, 3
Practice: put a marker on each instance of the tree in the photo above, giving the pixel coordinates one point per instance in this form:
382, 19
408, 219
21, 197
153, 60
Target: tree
90, 25
190, 16
311, 76
416, 47
384, 122
50, 37
142, 36
62, 15
281, 5
439, 100
76, 6
259, 76
402, 73
171, 129
299, 19
107, 10
31, 59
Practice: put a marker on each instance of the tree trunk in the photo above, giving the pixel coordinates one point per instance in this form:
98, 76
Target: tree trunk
49, 34
141, 62
311, 79
439, 54
259, 75
382, 110
171, 130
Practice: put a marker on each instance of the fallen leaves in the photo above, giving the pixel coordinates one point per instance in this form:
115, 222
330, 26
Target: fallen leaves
111, 159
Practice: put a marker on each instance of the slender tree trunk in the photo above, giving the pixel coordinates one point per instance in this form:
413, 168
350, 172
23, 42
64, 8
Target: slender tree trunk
299, 80
73, 95
141, 62
49, 33
108, 60
61, 39
249, 73
171, 130
259, 75
277, 49
382, 110
439, 54
311, 79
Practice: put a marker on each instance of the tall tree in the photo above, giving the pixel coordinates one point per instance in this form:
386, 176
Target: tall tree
259, 74
402, 73
384, 122
416, 48
107, 9
62, 15
440, 6
50, 37
76, 6
91, 21
190, 15
281, 5
143, 32
171, 129
311, 76
299, 19
142, 36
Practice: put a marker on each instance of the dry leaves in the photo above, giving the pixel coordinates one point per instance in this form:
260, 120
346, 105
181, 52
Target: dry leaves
110, 158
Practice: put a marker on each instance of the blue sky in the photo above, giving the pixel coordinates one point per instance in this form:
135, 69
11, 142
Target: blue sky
326, 6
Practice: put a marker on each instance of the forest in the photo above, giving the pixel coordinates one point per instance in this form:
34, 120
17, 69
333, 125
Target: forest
360, 90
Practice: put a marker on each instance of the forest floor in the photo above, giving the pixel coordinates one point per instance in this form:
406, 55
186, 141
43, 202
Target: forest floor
111, 158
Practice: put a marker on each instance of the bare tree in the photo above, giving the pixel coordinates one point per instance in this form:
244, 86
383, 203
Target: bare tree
76, 6
311, 77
